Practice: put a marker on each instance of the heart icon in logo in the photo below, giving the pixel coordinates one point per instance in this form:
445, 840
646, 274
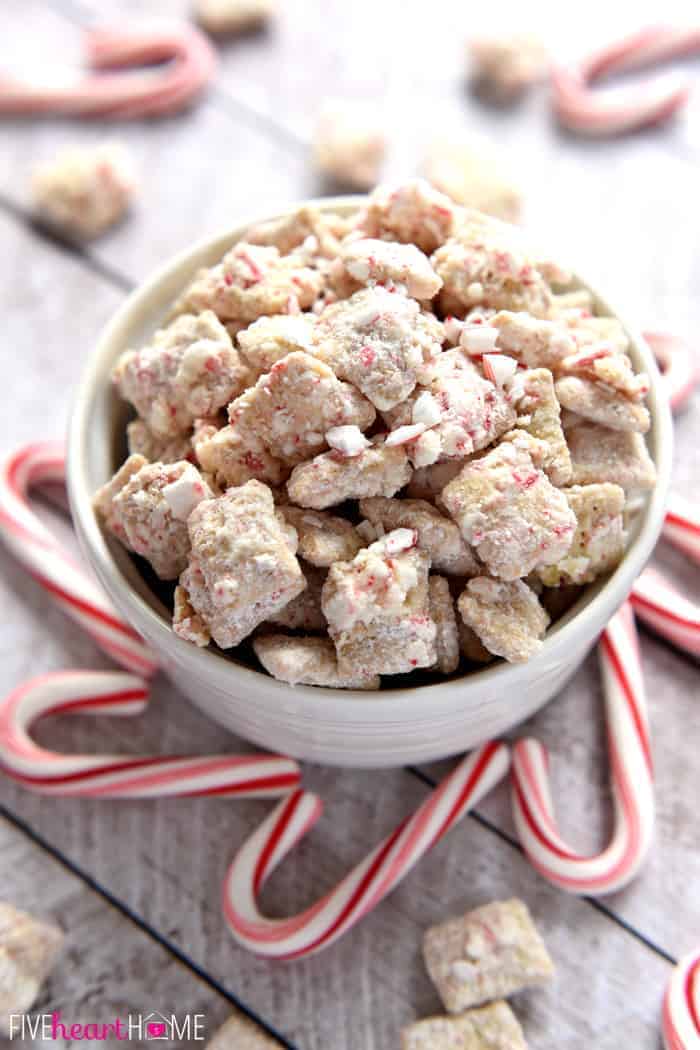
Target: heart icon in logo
155, 1029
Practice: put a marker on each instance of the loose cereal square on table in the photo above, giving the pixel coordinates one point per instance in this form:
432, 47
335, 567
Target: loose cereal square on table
489, 953
492, 1027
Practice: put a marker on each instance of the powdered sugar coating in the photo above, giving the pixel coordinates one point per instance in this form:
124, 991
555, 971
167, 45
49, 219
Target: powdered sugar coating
379, 340
330, 478
323, 538
436, 534
509, 511
369, 260
296, 229
146, 505
442, 613
487, 263
599, 540
252, 281
308, 661
378, 608
539, 414
506, 616
349, 143
602, 405
267, 340
242, 567
85, 189
600, 454
29, 948
492, 1027
490, 952
189, 369
290, 408
413, 212
605, 363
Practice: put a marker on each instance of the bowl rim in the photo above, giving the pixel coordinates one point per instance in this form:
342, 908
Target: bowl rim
321, 702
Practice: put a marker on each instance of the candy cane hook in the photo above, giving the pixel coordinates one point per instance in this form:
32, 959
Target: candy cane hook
118, 776
632, 778
191, 64
681, 1012
368, 883
36, 549
580, 110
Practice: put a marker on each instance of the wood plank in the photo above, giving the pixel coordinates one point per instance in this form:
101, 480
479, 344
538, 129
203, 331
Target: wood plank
108, 967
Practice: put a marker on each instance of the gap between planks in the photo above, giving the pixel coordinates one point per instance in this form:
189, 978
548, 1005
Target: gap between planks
145, 927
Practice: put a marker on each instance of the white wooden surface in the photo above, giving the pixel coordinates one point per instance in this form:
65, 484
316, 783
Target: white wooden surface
624, 212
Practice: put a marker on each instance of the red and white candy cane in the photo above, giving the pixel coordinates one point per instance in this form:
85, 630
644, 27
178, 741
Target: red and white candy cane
118, 776
653, 102
681, 1011
680, 369
655, 600
36, 549
632, 779
191, 62
368, 883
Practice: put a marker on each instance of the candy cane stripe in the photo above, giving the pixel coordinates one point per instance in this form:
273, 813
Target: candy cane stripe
681, 1010
41, 555
579, 109
115, 776
367, 884
680, 368
631, 774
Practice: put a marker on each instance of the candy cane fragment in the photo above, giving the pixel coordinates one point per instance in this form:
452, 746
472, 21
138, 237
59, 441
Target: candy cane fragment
681, 1011
36, 549
367, 884
118, 776
632, 779
680, 368
682, 526
191, 61
579, 110
660, 606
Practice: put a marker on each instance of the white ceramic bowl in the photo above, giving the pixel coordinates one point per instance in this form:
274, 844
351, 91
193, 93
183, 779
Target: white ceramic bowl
352, 728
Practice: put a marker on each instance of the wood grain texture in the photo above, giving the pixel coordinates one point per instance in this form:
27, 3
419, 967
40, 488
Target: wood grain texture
620, 211
108, 967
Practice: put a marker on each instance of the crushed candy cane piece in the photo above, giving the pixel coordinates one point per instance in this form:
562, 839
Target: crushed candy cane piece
348, 440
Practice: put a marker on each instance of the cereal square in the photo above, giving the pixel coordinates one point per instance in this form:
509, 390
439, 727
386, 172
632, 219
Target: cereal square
539, 413
489, 953
189, 369
370, 261
437, 535
533, 341
492, 1027
442, 612
332, 478
267, 340
308, 661
602, 405
146, 506
251, 281
323, 538
599, 454
599, 541
242, 568
304, 612
506, 617
486, 263
290, 409
509, 511
378, 608
379, 340
233, 458
413, 212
